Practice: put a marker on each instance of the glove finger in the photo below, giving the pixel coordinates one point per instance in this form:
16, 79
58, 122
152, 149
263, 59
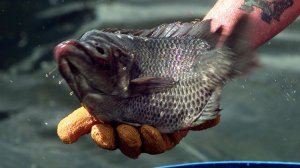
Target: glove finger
75, 125
129, 140
172, 139
207, 124
169, 143
176, 137
153, 142
104, 136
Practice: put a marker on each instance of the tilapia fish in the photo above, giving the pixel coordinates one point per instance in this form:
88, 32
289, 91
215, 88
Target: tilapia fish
169, 77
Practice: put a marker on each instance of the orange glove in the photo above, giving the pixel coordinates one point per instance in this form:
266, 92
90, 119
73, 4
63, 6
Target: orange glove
132, 141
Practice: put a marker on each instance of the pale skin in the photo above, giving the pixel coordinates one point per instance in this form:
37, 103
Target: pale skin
133, 141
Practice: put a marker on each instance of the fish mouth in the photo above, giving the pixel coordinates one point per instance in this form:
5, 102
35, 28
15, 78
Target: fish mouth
76, 65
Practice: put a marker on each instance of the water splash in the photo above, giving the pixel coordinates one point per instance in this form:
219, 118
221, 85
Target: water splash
52, 71
288, 88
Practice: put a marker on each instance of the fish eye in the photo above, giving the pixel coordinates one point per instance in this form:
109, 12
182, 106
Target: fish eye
100, 50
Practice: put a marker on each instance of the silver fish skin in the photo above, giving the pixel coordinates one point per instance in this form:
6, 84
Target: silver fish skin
169, 77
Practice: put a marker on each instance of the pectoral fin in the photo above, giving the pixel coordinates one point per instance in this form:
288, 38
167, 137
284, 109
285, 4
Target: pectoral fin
148, 85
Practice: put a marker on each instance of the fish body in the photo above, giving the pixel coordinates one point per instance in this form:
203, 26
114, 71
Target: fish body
169, 77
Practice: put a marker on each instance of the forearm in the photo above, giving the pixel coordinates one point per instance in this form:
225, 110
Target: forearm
265, 21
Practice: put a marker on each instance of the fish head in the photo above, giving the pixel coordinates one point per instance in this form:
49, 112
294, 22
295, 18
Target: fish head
95, 63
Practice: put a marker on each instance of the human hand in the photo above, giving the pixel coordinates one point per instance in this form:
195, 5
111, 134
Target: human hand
132, 141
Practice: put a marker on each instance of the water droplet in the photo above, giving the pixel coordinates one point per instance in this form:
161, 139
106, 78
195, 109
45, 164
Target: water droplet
46, 123
11, 81
243, 86
71, 93
60, 82
50, 72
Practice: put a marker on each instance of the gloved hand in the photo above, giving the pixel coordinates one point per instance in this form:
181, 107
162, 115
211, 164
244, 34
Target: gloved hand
132, 141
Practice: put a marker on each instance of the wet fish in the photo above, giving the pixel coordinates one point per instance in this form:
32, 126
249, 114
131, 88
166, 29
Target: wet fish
170, 76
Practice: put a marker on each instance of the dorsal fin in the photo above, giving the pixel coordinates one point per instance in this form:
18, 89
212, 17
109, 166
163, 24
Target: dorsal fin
135, 32
197, 29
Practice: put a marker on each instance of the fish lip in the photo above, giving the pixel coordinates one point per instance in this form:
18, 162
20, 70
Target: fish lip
73, 47
65, 70
69, 68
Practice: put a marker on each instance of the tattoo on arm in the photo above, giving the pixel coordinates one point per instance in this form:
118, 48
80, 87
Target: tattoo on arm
270, 9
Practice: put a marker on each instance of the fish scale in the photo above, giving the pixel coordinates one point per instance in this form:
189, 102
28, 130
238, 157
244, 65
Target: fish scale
179, 106
183, 103
168, 57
